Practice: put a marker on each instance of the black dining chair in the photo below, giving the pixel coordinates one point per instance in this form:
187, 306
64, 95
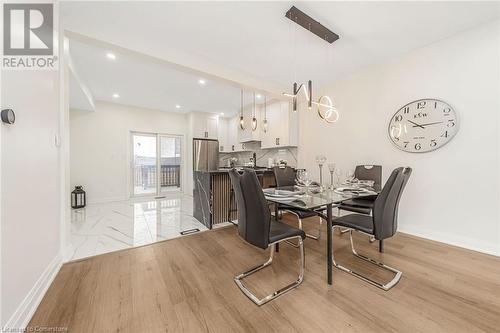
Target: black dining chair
256, 226
364, 205
285, 177
382, 224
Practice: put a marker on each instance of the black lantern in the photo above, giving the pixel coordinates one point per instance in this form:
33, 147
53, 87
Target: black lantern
78, 199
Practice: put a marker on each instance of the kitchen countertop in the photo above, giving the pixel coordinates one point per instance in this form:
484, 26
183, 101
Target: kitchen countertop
225, 170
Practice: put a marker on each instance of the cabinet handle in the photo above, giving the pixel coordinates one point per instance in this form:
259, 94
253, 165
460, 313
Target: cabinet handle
277, 141
206, 134
232, 147
243, 146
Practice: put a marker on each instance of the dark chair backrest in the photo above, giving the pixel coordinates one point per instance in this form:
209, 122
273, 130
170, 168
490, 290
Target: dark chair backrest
285, 176
254, 217
385, 208
369, 172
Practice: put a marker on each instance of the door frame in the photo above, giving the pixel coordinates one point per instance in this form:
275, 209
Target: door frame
158, 163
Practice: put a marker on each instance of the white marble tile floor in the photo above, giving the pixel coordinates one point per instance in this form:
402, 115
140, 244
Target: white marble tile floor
106, 227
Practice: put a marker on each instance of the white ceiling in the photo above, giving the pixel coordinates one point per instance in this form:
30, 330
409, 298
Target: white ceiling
249, 42
148, 84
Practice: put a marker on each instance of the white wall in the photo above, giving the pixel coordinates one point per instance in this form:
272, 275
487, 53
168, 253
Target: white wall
452, 195
100, 146
30, 191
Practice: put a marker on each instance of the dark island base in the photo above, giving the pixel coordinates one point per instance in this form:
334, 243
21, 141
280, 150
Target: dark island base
212, 195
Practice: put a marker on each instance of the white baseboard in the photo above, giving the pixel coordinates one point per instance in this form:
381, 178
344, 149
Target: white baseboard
68, 253
447, 238
22, 316
108, 199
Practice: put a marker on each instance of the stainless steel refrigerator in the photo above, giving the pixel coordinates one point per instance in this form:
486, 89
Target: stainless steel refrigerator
205, 155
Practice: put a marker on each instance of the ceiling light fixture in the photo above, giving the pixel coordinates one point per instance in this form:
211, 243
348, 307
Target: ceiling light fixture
202, 82
325, 108
242, 120
258, 96
264, 122
116, 95
177, 106
222, 113
254, 118
111, 56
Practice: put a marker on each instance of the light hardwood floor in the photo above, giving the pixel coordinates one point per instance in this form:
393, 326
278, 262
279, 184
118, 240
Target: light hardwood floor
186, 284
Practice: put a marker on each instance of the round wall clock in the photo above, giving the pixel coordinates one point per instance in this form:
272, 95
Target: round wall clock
423, 125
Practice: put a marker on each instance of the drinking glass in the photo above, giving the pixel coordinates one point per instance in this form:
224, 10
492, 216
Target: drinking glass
338, 173
331, 168
350, 175
304, 178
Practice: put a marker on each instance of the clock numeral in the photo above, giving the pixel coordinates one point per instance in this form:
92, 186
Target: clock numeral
451, 123
398, 117
421, 105
406, 143
406, 109
445, 134
447, 110
418, 146
435, 105
433, 143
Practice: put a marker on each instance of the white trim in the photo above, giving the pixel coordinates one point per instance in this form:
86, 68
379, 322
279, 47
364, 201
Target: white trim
447, 238
108, 199
22, 316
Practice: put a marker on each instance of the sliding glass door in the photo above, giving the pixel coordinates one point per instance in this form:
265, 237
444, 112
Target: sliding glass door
156, 163
170, 163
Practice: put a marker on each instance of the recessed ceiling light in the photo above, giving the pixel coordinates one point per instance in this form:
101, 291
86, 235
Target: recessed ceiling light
258, 96
177, 106
201, 81
116, 95
110, 56
222, 113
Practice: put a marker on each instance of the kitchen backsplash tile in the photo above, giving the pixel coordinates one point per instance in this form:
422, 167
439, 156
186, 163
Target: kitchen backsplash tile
263, 156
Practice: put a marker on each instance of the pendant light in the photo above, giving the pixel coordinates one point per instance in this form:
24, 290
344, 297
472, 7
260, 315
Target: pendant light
264, 122
325, 109
254, 118
242, 120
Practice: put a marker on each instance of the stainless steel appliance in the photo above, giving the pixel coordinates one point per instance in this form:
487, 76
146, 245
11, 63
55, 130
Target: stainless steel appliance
205, 155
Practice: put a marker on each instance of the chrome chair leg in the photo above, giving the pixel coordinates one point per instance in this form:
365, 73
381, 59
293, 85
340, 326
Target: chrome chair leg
385, 286
300, 227
319, 231
239, 278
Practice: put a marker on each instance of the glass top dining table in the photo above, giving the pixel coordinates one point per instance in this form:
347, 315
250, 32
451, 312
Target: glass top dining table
321, 203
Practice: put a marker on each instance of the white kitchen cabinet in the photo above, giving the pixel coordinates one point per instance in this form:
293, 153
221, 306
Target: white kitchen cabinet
222, 135
282, 126
204, 125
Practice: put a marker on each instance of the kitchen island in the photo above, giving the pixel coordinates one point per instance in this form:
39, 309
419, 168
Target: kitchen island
213, 201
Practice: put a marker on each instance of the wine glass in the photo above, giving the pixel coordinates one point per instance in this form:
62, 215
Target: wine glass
349, 175
303, 177
331, 168
338, 173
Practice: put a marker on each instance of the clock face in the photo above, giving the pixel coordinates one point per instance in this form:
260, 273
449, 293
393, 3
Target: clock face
423, 125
